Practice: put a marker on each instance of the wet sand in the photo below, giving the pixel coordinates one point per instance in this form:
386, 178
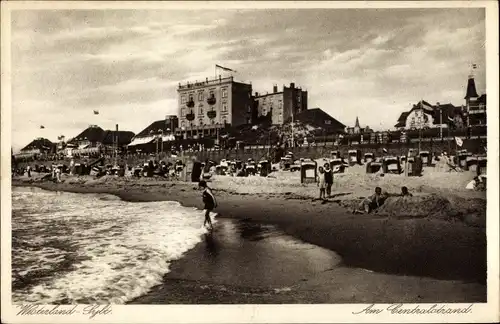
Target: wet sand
251, 263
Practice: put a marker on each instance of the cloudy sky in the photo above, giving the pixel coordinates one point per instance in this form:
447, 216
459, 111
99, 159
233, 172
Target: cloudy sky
127, 63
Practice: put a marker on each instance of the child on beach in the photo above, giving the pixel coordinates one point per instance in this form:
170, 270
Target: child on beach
209, 202
321, 183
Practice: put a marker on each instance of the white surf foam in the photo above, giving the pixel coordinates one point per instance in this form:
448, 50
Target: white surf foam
122, 249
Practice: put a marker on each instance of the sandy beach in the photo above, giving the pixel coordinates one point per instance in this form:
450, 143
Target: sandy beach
434, 239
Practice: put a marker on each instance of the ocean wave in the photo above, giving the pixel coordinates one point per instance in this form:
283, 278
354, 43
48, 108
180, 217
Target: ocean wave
80, 248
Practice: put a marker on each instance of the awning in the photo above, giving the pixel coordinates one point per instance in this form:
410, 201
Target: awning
142, 140
90, 150
168, 138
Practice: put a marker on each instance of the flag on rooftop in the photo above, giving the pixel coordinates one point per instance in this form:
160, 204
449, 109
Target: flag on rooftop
96, 112
42, 127
224, 68
474, 66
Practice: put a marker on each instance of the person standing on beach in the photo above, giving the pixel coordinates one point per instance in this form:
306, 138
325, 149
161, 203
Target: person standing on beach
321, 183
209, 202
328, 180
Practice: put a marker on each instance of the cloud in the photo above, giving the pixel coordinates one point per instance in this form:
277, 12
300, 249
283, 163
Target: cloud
127, 63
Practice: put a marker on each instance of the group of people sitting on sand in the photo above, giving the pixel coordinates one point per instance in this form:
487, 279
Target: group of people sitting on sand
373, 202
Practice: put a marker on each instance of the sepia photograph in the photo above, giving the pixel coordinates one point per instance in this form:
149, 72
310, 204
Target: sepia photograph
246, 154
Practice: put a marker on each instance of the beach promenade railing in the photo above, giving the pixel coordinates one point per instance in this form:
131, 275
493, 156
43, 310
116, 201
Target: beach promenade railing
474, 140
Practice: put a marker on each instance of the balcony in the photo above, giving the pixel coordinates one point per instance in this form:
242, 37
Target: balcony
211, 114
211, 100
190, 116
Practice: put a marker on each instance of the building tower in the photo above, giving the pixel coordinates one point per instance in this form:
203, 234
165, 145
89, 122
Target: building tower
357, 128
470, 96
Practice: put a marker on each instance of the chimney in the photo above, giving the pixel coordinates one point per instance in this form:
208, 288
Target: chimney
256, 94
275, 88
207, 80
292, 85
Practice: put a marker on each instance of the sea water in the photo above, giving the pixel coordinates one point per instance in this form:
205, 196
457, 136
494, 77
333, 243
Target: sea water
94, 248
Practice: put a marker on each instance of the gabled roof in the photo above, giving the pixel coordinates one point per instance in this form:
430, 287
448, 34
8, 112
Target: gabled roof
124, 137
97, 134
155, 128
317, 114
38, 143
440, 115
402, 119
92, 133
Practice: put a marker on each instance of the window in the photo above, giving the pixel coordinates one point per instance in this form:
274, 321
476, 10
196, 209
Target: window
298, 98
224, 92
191, 97
183, 99
224, 120
201, 110
183, 112
200, 96
328, 122
183, 124
212, 94
224, 106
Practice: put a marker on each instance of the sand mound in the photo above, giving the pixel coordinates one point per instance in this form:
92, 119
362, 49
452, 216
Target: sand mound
469, 211
417, 206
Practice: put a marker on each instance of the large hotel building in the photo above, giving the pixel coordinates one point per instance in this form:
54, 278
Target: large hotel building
213, 104
280, 105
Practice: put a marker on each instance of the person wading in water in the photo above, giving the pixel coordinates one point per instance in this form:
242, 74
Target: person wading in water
209, 201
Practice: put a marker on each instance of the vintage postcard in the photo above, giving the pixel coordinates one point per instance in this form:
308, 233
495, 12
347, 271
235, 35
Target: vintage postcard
249, 162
